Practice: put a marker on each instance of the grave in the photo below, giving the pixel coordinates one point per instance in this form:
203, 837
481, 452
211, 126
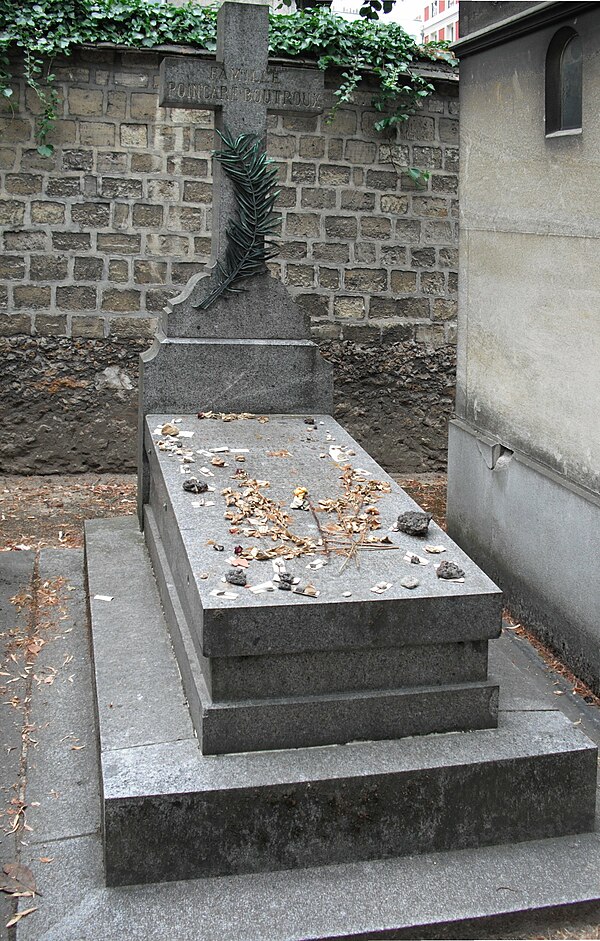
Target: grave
331, 701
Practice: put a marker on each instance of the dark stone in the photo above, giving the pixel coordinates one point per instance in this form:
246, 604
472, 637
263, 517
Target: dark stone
236, 577
193, 485
414, 524
449, 570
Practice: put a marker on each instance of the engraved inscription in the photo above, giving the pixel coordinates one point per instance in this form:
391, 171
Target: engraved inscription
214, 85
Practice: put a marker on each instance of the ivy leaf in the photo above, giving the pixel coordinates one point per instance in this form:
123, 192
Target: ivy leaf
45, 150
7, 92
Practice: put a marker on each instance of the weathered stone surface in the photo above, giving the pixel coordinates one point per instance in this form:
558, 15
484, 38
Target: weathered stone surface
69, 404
396, 398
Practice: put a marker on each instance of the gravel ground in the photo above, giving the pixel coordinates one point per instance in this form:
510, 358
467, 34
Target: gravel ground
40, 512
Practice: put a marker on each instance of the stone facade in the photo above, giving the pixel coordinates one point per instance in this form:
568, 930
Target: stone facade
98, 237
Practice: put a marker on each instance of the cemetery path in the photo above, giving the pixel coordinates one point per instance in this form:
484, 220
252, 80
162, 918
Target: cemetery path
48, 756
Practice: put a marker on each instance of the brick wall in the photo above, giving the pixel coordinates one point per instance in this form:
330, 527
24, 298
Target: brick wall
96, 238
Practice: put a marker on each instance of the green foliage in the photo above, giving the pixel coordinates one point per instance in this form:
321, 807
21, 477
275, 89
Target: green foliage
44, 29
254, 181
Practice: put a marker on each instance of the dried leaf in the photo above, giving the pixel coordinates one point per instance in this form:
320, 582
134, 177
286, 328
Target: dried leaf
21, 877
16, 918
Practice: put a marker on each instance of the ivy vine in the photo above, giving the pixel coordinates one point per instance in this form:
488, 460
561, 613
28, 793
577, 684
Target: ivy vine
41, 30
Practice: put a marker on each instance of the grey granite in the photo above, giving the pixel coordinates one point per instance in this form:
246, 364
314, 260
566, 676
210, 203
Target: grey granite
232, 376
436, 612
292, 720
373, 899
263, 309
66, 751
171, 813
337, 718
208, 85
126, 630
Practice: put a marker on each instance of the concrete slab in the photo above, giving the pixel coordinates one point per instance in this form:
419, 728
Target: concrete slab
396, 897
16, 577
66, 750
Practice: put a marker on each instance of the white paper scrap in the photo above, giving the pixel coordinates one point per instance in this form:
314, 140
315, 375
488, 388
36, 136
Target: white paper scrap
103, 597
380, 587
186, 434
222, 593
264, 586
411, 556
435, 550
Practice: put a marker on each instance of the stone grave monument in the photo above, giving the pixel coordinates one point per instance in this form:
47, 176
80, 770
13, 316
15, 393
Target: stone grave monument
314, 689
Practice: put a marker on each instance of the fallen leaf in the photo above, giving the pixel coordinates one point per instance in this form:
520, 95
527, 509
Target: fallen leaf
16, 918
20, 876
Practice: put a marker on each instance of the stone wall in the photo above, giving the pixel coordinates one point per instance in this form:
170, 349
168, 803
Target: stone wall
98, 237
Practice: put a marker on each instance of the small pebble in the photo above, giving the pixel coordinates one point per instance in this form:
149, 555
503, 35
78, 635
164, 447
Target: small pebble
449, 570
346, 594
193, 485
169, 429
240, 458
235, 577
218, 548
409, 582
203, 576
414, 524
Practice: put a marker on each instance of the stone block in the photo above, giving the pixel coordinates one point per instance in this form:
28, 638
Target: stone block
53, 213
331, 251
150, 272
395, 205
12, 267
281, 146
91, 215
144, 106
305, 224
334, 174
97, 134
382, 180
302, 276
197, 192
63, 186
444, 309
133, 135
76, 298
25, 241
349, 308
317, 198
50, 325
116, 104
375, 227
367, 280
448, 130
430, 206
32, 296
131, 79
85, 101
14, 130
119, 188
329, 278
48, 268
444, 183
415, 307
138, 328
361, 152
11, 212
344, 122
23, 184
344, 227
311, 147
146, 163
88, 268
433, 282
78, 159
422, 257
12, 325
118, 270
403, 282
357, 200
88, 327
147, 216
119, 243
304, 172
117, 299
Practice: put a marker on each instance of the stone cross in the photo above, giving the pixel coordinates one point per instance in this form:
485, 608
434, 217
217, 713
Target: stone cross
241, 87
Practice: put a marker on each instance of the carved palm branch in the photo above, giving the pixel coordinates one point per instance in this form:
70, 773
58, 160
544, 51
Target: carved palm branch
248, 248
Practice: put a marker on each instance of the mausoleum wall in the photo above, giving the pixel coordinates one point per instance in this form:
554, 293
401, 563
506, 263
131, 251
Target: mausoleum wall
98, 237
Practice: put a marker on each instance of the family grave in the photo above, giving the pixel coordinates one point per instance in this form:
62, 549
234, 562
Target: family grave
337, 699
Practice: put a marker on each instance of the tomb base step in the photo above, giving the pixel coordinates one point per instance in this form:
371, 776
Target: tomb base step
296, 722
171, 812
